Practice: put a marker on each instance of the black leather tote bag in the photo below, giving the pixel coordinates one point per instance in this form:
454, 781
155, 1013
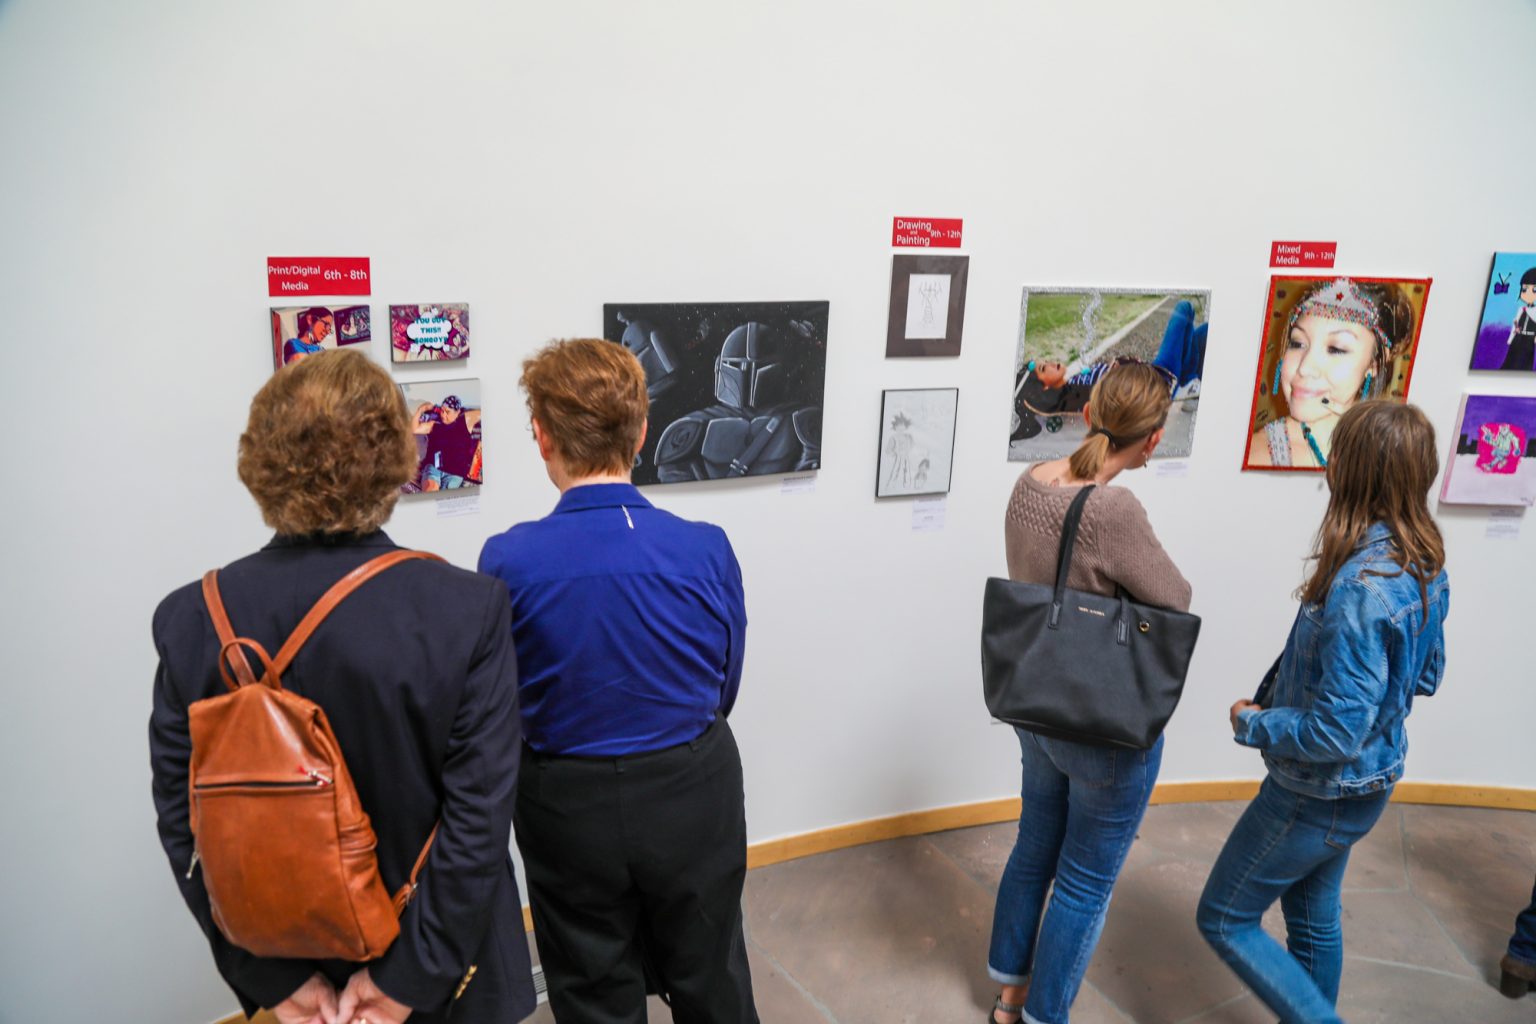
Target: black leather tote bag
1102, 670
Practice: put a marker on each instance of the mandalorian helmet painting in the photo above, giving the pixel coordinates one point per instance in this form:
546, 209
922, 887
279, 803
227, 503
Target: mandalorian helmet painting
752, 370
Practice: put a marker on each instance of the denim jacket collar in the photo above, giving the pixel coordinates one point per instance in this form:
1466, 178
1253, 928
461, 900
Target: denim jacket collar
1377, 533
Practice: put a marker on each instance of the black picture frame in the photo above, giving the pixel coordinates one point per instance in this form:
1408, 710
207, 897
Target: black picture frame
924, 438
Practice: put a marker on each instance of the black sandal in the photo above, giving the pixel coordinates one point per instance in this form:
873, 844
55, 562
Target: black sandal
1006, 1008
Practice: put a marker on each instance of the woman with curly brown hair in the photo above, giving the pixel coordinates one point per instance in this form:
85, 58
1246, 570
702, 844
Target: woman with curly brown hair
416, 674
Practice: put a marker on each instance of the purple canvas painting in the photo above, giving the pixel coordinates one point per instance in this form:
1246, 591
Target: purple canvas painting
1493, 461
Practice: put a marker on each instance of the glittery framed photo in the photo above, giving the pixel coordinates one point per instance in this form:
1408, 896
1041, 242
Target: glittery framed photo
917, 441
1070, 337
1329, 341
927, 311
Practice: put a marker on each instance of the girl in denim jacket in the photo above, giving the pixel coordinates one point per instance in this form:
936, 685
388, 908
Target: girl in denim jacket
1329, 715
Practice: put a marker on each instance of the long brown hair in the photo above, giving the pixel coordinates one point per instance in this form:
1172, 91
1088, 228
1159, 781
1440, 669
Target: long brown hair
1126, 406
1380, 469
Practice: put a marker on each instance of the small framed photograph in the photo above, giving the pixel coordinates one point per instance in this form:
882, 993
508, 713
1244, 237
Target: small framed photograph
917, 441
299, 331
428, 330
445, 417
927, 305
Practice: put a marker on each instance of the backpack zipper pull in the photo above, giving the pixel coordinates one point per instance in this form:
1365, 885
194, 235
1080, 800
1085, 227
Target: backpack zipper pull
193, 866
320, 778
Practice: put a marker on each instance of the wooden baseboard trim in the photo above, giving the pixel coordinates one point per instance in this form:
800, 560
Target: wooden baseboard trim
1446, 794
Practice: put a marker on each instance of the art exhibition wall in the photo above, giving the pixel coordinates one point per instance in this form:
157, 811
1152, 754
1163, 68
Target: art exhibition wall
537, 161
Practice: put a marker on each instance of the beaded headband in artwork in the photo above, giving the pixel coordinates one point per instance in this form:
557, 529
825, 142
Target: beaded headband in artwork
1341, 300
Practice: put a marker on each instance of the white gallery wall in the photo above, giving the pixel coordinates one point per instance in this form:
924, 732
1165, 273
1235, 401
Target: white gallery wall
539, 160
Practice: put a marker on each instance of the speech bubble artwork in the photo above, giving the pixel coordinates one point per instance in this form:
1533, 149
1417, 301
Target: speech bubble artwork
1499, 446
429, 331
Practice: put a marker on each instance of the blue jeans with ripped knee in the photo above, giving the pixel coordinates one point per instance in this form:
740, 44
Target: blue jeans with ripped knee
1081, 809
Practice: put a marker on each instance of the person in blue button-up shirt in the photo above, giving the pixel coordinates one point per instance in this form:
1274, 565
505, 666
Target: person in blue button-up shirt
1329, 716
629, 625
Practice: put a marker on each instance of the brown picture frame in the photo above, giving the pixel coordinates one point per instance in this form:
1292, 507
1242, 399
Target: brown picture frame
903, 267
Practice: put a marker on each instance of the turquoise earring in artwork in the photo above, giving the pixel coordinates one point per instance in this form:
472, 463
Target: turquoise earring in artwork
1365, 391
1278, 366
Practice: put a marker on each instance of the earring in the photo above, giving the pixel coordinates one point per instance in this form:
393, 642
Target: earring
1279, 364
1365, 391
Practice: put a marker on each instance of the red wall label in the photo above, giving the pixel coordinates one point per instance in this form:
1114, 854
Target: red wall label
1303, 254
318, 275
926, 232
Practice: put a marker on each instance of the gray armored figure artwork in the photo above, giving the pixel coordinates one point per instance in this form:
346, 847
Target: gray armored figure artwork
735, 388
655, 354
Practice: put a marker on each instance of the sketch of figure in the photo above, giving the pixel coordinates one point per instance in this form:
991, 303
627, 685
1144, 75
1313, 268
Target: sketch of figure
754, 429
930, 293
1504, 444
898, 452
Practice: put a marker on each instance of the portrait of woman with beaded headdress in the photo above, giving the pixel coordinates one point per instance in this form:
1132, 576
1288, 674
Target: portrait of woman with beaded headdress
1329, 343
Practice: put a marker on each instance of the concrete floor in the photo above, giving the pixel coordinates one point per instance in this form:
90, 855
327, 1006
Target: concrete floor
897, 931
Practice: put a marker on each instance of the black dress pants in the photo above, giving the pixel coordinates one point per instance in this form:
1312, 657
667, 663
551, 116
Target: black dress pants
639, 856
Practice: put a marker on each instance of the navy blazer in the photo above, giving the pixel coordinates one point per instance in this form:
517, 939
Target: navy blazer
417, 675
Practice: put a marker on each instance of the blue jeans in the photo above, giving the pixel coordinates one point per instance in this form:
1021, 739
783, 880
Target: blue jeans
444, 481
1182, 350
1292, 848
1522, 944
1081, 808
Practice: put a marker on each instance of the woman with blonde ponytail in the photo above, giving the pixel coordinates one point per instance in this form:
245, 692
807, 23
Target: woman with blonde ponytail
1081, 804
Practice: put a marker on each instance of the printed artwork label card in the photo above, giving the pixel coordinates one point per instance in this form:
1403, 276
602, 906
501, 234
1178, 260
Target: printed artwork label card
928, 514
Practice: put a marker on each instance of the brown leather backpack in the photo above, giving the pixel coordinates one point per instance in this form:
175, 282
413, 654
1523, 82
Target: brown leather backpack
287, 851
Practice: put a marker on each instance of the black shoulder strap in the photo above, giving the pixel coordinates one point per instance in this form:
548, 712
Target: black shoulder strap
1064, 553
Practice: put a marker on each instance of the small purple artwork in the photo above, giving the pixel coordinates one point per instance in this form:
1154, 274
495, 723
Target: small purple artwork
1506, 336
1494, 461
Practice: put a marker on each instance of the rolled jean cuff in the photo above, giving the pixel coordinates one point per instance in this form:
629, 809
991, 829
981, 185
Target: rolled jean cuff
1007, 979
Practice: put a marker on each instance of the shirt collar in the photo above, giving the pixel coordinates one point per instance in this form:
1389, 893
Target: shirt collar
375, 539
589, 496
1378, 532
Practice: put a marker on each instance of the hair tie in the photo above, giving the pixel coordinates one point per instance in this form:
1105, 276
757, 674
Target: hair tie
1112, 438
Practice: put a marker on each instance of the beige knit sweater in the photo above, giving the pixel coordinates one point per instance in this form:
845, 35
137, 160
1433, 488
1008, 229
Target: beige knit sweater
1115, 543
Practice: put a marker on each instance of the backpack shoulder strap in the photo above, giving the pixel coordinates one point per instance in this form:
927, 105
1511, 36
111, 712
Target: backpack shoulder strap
403, 896
331, 598
225, 631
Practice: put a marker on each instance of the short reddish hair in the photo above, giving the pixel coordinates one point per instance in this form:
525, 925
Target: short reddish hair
589, 397
328, 445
